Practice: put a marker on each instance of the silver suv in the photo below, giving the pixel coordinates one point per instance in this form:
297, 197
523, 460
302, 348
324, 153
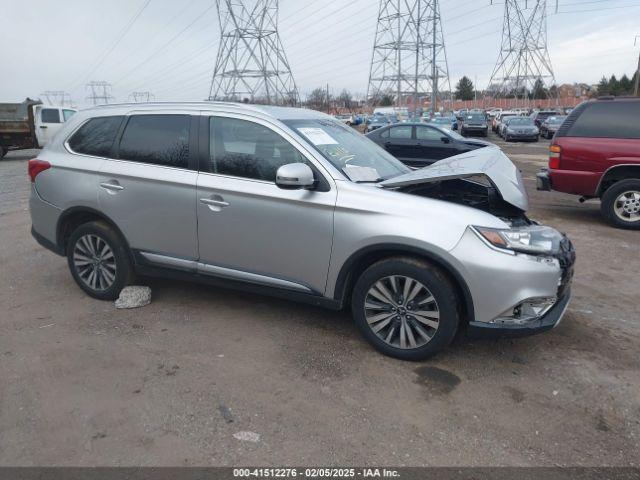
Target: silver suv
293, 203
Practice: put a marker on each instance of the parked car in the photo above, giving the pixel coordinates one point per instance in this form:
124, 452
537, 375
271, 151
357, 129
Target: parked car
495, 125
293, 203
29, 124
519, 129
540, 117
445, 122
419, 144
596, 154
376, 121
550, 126
474, 123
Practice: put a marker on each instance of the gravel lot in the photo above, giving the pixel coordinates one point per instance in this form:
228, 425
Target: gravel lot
172, 383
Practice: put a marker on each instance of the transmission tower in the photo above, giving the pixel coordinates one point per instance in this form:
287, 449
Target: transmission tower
251, 64
100, 92
409, 57
142, 97
58, 98
524, 56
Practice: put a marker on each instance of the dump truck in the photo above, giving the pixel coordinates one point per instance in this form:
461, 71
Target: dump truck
30, 124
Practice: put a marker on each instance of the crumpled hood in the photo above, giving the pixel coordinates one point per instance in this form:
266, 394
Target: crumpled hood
490, 162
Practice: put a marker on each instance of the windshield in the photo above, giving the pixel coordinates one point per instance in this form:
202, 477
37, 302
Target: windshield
522, 121
360, 159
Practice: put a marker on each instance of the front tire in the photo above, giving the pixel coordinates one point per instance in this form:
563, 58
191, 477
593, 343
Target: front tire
620, 204
405, 308
98, 260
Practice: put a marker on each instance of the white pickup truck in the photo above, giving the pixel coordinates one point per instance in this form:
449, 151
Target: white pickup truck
29, 124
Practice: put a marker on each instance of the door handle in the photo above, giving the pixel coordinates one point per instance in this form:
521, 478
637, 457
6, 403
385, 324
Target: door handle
43, 126
214, 203
114, 187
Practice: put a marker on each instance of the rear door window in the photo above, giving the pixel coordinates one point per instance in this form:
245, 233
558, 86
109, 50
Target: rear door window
157, 139
96, 137
608, 119
50, 115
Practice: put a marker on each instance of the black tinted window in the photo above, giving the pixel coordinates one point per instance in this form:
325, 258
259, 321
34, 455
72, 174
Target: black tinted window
246, 149
50, 115
96, 136
158, 139
610, 119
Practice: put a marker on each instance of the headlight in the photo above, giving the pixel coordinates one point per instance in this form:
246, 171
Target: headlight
510, 130
536, 131
534, 239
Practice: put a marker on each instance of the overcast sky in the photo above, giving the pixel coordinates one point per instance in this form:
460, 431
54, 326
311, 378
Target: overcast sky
170, 48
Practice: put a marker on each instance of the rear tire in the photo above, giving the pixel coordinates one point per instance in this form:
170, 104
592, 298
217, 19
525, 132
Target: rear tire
2, 152
99, 260
421, 317
620, 204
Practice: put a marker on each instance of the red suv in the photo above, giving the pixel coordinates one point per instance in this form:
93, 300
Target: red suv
596, 154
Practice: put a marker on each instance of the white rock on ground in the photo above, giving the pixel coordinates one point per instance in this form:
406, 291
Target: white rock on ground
247, 436
134, 297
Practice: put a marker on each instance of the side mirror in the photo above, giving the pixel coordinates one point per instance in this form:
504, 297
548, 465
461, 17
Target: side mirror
445, 139
294, 176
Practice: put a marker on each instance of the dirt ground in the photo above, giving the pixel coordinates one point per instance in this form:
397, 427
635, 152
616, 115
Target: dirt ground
170, 384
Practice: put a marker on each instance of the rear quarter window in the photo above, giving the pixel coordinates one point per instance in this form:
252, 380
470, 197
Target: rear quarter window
608, 119
96, 137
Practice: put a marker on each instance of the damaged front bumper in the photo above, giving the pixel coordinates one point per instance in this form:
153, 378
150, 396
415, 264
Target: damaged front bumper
515, 294
537, 325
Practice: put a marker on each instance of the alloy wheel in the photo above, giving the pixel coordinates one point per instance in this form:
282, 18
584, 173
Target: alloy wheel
627, 206
402, 312
94, 262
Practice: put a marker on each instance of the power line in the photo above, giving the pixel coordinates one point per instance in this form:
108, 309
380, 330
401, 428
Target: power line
119, 38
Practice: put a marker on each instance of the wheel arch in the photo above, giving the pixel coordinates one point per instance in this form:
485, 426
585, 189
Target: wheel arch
73, 217
359, 261
617, 173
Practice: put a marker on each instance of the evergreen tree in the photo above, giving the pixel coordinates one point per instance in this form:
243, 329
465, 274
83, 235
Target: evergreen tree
465, 89
603, 87
539, 92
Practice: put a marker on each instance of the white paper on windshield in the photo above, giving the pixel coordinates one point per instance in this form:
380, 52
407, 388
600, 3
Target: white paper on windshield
361, 174
318, 136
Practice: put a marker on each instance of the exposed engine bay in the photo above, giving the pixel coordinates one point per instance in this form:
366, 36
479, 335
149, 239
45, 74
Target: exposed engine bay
476, 192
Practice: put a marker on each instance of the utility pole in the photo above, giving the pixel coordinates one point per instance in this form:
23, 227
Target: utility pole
636, 89
524, 56
100, 92
251, 64
409, 56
